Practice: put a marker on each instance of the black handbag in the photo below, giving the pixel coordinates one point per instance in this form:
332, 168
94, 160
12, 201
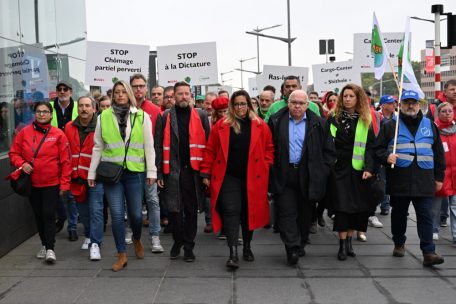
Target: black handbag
108, 172
377, 190
23, 184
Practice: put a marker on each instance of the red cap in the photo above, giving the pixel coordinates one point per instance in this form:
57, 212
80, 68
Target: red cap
220, 103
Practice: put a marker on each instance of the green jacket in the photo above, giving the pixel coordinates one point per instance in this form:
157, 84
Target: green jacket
276, 106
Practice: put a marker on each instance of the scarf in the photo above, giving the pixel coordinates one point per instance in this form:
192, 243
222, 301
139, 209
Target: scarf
446, 128
41, 127
348, 121
121, 114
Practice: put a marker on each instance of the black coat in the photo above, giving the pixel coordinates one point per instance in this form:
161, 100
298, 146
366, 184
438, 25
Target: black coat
318, 155
411, 181
171, 191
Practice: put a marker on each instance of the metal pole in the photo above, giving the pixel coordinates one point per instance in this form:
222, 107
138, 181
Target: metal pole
437, 54
258, 52
242, 80
37, 29
289, 33
381, 86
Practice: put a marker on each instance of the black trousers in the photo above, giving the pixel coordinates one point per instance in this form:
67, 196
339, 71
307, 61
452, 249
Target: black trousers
294, 213
185, 221
233, 207
44, 204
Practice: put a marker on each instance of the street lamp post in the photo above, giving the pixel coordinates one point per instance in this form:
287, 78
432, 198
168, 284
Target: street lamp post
224, 73
258, 30
242, 71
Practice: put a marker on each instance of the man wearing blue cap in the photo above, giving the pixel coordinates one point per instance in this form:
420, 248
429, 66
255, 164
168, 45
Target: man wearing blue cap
388, 105
419, 167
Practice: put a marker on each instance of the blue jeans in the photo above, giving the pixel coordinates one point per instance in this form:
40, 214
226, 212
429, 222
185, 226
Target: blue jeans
423, 209
130, 188
444, 210
452, 204
71, 212
207, 211
153, 207
436, 215
91, 214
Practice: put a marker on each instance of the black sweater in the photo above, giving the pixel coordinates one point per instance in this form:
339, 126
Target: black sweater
238, 151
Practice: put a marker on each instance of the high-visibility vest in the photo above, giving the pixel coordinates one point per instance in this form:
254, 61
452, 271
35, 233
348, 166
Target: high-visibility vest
359, 147
407, 146
197, 142
55, 122
80, 154
114, 150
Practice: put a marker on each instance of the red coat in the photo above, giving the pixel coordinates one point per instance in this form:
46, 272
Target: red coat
153, 110
52, 165
261, 156
449, 146
81, 155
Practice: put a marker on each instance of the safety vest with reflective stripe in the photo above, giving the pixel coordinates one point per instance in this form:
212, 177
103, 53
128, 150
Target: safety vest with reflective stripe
114, 150
55, 122
80, 154
408, 147
197, 142
359, 147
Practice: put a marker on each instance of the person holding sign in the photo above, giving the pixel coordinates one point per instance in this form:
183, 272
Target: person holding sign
350, 125
417, 173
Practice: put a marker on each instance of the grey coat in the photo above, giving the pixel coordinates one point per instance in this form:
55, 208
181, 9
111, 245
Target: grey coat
172, 193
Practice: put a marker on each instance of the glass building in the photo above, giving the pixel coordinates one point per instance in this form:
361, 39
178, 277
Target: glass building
41, 43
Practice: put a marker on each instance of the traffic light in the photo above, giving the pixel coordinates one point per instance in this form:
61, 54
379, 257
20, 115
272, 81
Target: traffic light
331, 46
451, 30
322, 47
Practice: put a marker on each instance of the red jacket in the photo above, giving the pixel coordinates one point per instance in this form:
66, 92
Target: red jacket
52, 165
449, 146
153, 111
261, 156
81, 155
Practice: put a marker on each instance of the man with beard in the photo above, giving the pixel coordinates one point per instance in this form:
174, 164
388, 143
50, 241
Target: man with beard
419, 168
179, 147
168, 98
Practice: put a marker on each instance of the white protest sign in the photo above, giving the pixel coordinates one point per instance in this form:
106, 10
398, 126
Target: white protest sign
334, 76
23, 68
108, 62
275, 74
194, 63
362, 50
253, 88
217, 89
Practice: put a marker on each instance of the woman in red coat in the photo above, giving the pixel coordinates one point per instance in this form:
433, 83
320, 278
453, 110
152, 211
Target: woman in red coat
50, 172
235, 166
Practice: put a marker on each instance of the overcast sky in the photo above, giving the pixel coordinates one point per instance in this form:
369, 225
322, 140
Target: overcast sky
157, 23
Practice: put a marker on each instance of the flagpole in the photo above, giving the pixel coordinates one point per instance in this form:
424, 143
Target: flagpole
394, 73
399, 110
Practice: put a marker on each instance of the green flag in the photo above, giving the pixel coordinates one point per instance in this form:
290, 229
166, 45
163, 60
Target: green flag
378, 50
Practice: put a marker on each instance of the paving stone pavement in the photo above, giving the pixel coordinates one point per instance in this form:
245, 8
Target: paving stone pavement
373, 276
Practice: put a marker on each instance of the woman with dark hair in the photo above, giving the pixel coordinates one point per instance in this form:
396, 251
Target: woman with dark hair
123, 137
329, 101
350, 125
50, 171
235, 166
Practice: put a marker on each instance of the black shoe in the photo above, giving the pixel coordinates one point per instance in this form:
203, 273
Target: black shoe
59, 225
342, 254
313, 228
349, 247
384, 212
321, 221
188, 255
175, 251
233, 260
301, 251
247, 253
72, 235
293, 258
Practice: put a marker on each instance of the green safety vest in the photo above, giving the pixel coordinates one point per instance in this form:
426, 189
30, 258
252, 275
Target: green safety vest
359, 147
55, 122
114, 150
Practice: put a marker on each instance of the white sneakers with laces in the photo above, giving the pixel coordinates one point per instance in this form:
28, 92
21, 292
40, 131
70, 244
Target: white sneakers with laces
374, 222
42, 253
155, 245
50, 256
128, 237
86, 244
95, 252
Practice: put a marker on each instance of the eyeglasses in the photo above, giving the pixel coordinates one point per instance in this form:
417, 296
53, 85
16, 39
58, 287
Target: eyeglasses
64, 89
240, 105
168, 97
298, 103
138, 86
45, 112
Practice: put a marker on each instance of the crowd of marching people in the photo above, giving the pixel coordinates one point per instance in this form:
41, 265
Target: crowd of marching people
234, 157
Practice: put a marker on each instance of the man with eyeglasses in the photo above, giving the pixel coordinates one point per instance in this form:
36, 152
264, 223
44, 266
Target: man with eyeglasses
304, 153
419, 168
139, 85
65, 110
290, 84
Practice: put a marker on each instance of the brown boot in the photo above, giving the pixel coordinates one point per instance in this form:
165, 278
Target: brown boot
121, 262
139, 249
399, 251
431, 259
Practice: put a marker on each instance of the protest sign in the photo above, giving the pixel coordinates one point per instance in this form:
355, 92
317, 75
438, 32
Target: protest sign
274, 75
334, 76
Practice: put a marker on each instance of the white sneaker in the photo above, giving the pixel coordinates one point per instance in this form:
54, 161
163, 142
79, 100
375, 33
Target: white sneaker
155, 245
95, 252
86, 244
50, 256
374, 222
42, 253
435, 236
128, 238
